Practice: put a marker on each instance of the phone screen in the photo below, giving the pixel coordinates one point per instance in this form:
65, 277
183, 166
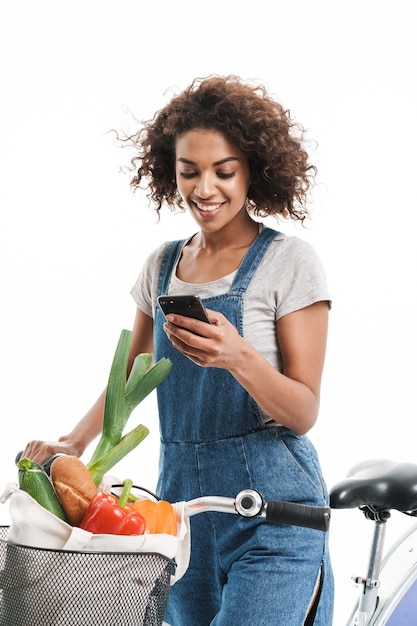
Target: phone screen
190, 306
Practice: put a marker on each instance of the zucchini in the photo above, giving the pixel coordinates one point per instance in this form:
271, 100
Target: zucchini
35, 481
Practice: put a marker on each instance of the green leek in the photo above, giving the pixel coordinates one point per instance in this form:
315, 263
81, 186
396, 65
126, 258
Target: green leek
115, 454
122, 396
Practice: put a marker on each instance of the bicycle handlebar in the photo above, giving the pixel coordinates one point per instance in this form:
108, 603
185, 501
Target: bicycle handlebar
316, 517
249, 503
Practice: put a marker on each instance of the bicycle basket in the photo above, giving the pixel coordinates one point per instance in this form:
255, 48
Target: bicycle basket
45, 587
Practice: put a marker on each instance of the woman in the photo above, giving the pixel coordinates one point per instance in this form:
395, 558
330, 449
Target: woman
245, 389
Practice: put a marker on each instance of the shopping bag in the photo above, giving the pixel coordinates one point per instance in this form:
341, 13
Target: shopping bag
33, 525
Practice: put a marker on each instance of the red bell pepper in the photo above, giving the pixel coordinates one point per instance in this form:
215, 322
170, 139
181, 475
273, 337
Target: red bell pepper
107, 514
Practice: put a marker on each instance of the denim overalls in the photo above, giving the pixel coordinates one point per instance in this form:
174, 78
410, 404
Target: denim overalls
214, 442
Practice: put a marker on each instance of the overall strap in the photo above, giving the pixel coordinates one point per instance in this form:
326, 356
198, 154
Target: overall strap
169, 261
252, 259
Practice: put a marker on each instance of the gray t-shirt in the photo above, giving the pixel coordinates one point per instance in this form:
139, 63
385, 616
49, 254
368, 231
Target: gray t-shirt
290, 277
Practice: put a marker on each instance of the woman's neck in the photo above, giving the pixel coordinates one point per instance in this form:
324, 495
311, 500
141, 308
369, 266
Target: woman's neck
207, 257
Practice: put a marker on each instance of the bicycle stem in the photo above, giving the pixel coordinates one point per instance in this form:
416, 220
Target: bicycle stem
248, 503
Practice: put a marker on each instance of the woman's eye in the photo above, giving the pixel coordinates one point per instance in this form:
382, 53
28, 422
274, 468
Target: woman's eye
222, 175
225, 174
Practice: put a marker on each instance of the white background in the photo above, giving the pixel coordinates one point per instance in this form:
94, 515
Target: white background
73, 237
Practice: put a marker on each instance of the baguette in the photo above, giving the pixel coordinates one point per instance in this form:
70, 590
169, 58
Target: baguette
74, 486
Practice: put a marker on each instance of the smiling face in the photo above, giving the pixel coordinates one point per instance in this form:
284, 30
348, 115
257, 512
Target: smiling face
212, 178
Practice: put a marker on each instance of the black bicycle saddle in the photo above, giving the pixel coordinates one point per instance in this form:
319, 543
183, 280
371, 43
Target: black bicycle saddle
381, 484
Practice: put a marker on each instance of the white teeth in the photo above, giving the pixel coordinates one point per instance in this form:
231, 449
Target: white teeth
204, 207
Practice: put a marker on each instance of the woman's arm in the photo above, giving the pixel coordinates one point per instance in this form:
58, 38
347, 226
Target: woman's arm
89, 427
292, 397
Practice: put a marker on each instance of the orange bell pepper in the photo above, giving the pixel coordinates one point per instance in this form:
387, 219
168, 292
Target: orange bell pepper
160, 517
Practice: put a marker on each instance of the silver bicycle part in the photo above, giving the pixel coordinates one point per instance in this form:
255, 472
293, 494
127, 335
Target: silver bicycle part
370, 585
399, 576
384, 592
248, 503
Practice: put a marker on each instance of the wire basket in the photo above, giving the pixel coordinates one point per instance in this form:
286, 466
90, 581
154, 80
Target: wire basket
40, 587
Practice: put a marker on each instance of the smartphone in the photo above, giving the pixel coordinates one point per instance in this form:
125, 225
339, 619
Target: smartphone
190, 306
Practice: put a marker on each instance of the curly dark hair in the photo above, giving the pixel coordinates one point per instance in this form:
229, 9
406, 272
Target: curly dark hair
281, 175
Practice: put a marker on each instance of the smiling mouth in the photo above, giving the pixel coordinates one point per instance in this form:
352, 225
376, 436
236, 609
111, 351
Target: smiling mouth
208, 208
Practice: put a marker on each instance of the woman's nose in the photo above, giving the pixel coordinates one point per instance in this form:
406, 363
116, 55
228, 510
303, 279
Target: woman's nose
204, 187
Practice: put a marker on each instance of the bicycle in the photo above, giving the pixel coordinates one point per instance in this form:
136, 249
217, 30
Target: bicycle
79, 588
388, 593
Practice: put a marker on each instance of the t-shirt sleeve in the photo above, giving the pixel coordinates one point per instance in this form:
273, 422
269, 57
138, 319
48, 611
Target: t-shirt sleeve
302, 280
145, 289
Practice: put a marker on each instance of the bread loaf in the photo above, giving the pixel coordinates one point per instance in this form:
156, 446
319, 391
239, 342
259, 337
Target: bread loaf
74, 486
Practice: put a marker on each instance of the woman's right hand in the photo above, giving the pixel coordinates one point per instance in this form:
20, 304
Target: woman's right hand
38, 451
73, 443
